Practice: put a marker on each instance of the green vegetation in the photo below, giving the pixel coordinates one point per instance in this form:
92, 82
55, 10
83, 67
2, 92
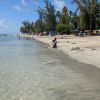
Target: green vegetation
27, 27
88, 14
65, 21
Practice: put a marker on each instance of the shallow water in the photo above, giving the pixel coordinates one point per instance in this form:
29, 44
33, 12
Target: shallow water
30, 71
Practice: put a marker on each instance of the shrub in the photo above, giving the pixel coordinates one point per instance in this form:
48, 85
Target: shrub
63, 29
60, 28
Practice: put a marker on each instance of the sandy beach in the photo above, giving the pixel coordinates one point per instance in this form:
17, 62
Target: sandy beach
29, 70
83, 49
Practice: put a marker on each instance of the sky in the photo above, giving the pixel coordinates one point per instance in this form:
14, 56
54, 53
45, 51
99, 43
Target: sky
13, 12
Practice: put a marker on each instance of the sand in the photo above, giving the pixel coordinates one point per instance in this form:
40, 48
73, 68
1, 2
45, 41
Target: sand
83, 49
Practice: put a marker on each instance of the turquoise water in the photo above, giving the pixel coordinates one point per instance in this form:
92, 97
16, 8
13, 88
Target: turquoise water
31, 71
24, 66
19, 62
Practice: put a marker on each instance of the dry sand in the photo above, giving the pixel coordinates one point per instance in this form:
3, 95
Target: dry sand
83, 49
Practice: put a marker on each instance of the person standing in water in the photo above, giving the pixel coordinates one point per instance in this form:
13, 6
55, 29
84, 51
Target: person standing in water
19, 37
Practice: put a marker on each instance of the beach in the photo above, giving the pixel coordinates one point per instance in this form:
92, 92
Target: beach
49, 50
29, 70
84, 49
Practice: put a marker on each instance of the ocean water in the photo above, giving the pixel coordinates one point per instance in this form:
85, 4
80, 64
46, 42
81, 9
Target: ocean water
20, 61
23, 69
31, 71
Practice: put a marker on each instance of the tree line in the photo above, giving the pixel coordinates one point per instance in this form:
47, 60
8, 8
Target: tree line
66, 20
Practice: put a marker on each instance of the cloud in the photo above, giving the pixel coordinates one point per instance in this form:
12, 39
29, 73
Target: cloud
18, 7
21, 6
7, 26
36, 1
3, 24
23, 2
59, 4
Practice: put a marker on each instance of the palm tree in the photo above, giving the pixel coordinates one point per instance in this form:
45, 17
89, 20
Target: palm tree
58, 17
87, 13
25, 28
70, 16
50, 16
38, 27
64, 15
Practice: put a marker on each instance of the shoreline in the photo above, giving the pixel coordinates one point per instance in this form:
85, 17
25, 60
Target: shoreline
82, 49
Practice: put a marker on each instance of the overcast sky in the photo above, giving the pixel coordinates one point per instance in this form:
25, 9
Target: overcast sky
13, 12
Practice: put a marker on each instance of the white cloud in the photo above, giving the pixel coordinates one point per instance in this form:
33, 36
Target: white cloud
7, 26
21, 6
23, 2
17, 7
3, 24
59, 4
